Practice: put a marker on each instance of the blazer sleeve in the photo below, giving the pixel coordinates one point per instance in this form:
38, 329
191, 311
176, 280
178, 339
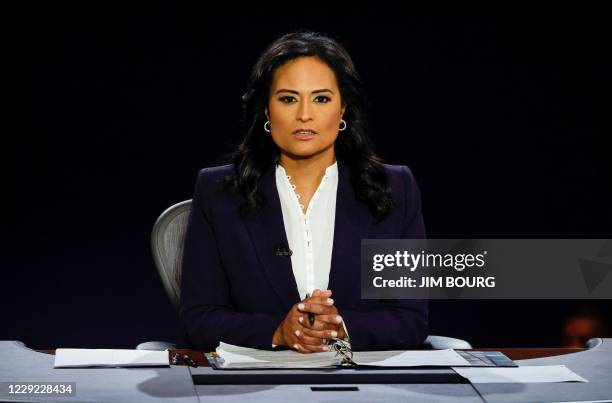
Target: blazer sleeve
206, 311
389, 324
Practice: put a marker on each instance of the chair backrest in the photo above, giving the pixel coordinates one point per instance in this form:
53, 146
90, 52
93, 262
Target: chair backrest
167, 240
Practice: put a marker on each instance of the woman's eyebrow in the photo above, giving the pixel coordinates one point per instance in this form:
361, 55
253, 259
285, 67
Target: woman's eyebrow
295, 92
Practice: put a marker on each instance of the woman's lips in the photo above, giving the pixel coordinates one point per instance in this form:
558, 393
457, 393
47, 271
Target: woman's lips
303, 136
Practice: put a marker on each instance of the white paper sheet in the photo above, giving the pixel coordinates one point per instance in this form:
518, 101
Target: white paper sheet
92, 357
442, 358
530, 374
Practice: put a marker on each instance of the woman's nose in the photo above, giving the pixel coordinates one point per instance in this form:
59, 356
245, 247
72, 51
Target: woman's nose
304, 111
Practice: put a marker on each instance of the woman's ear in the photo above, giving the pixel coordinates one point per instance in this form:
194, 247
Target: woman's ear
266, 112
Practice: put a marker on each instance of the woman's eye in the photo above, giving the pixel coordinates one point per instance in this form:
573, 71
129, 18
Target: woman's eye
282, 99
323, 97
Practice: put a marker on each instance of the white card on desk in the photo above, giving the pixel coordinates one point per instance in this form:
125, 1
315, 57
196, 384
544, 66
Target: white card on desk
528, 374
93, 357
410, 358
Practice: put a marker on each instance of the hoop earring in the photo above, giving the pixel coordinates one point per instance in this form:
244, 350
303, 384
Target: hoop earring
343, 121
267, 123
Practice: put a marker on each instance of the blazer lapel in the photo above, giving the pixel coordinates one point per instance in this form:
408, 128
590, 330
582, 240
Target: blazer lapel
353, 222
267, 231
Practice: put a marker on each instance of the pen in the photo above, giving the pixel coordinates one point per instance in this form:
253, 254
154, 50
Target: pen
311, 316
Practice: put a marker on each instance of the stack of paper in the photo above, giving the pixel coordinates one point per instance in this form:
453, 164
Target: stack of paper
86, 357
243, 357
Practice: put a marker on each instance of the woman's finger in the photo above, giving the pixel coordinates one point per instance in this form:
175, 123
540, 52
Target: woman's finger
315, 308
309, 348
326, 320
317, 348
298, 347
320, 299
322, 322
320, 334
319, 293
306, 339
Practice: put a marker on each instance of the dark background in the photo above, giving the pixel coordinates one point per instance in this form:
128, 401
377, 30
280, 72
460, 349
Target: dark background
501, 119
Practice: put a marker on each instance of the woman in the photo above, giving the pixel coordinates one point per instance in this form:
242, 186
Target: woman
275, 236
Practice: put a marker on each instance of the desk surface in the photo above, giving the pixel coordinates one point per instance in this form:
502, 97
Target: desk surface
595, 365
512, 353
175, 384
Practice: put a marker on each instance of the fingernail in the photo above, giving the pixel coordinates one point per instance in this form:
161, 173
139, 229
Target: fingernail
297, 333
325, 348
334, 333
296, 346
338, 319
330, 301
301, 319
301, 306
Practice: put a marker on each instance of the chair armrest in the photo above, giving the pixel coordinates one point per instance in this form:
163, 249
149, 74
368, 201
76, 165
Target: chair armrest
594, 342
156, 345
442, 342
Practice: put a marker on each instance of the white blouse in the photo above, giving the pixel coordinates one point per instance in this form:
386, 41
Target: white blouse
310, 233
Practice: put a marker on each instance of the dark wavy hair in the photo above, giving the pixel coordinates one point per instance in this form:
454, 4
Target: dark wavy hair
257, 151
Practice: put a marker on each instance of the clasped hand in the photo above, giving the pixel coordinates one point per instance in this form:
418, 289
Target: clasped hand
295, 330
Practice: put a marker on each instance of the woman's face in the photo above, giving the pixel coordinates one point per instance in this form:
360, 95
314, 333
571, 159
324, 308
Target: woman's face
305, 95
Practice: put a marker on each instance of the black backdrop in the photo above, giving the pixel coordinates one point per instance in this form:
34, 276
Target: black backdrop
500, 118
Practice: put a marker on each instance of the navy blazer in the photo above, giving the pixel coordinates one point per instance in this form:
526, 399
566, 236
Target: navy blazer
236, 289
